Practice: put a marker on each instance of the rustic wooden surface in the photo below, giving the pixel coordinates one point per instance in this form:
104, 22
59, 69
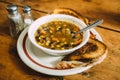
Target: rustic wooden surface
12, 67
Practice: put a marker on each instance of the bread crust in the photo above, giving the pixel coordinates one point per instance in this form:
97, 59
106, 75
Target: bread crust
71, 12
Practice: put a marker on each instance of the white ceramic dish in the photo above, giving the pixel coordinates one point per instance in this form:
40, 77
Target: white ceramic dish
44, 63
45, 19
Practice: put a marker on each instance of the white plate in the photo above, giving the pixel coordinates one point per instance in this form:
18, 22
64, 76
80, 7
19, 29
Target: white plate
44, 63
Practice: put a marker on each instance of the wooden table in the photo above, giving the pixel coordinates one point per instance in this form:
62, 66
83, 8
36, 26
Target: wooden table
12, 67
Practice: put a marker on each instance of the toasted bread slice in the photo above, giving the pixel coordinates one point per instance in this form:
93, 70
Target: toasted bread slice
93, 49
90, 51
71, 12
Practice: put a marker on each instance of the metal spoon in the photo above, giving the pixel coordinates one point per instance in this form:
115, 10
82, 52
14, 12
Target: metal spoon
89, 27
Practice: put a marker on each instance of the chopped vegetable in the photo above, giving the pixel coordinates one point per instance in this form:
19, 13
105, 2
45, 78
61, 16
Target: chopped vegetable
58, 35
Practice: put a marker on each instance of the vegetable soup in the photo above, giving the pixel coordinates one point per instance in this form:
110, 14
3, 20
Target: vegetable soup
58, 35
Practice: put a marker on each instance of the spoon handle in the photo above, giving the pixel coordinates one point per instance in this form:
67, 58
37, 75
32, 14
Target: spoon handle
90, 26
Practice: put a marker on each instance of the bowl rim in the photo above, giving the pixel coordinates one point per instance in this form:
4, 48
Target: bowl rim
85, 33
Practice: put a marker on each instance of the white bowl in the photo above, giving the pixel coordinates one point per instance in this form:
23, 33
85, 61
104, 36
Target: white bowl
42, 20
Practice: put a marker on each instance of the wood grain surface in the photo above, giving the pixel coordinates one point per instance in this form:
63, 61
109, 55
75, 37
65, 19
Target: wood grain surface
12, 67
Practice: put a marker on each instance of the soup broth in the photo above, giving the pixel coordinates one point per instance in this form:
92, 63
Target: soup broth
58, 35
